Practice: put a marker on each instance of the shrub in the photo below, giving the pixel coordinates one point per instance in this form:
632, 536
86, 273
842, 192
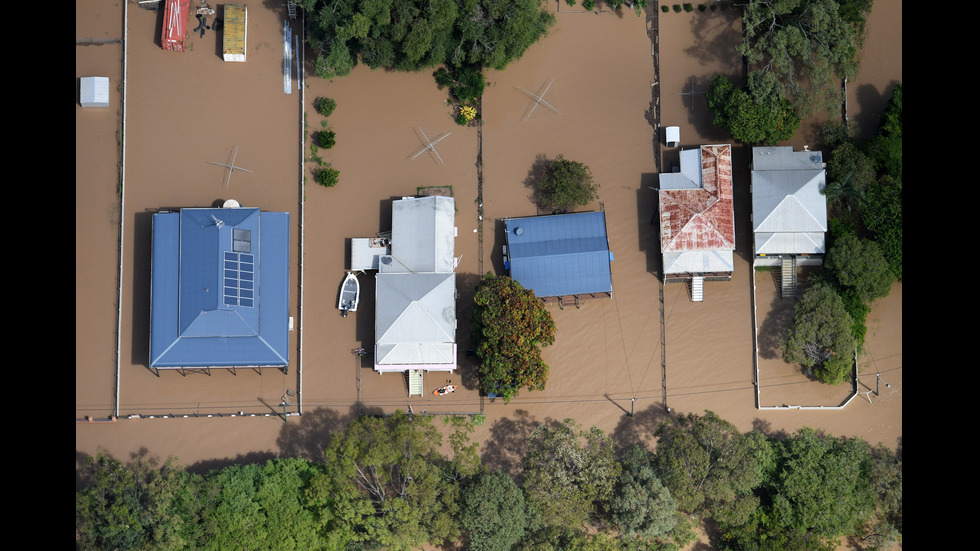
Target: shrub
468, 112
324, 106
570, 2
466, 83
688, 7
702, 7
325, 139
665, 8
326, 176
588, 4
677, 8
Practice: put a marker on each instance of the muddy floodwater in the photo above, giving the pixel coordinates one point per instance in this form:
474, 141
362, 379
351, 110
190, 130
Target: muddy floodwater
646, 349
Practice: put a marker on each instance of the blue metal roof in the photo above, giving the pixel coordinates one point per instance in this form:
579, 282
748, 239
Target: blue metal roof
560, 255
220, 289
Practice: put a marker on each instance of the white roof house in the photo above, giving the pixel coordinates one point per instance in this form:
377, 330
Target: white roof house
415, 321
789, 212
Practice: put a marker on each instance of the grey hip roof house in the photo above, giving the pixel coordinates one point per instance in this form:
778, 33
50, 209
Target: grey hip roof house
789, 210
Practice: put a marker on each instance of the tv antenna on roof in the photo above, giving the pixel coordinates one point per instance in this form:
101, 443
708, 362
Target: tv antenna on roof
231, 168
540, 100
692, 93
432, 145
217, 222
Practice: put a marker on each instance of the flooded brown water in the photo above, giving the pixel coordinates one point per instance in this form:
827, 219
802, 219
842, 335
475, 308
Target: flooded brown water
188, 109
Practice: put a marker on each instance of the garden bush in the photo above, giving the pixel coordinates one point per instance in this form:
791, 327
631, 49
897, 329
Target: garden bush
325, 139
326, 176
324, 106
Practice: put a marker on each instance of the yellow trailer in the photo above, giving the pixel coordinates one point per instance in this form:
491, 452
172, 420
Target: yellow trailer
235, 39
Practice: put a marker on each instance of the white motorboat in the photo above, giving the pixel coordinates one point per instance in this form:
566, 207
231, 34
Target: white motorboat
350, 294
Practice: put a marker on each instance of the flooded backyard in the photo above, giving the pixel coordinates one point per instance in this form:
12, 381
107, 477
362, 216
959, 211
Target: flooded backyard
648, 348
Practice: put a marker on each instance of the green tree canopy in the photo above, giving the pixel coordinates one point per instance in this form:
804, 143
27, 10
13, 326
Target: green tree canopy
820, 337
412, 35
568, 473
509, 326
885, 480
493, 512
802, 50
883, 200
260, 506
385, 484
705, 461
396, 34
860, 265
641, 504
751, 120
137, 506
566, 184
850, 172
823, 485
492, 33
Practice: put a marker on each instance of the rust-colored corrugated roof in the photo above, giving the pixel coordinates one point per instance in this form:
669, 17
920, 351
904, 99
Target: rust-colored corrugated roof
701, 219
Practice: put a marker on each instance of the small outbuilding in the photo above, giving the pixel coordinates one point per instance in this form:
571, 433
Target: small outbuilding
561, 257
673, 136
94, 92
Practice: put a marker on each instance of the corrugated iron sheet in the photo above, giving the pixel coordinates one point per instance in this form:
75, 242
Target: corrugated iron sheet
701, 219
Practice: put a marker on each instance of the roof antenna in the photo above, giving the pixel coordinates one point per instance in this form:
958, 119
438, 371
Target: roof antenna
218, 223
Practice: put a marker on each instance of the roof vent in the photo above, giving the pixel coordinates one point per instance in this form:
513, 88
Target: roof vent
519, 230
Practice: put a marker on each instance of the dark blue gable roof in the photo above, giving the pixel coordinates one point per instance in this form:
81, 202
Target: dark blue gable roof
220, 289
560, 255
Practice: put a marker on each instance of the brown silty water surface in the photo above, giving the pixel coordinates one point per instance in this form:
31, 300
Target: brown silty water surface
191, 108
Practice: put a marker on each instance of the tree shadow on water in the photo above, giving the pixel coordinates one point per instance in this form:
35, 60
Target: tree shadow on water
639, 429
507, 445
774, 327
534, 175
308, 436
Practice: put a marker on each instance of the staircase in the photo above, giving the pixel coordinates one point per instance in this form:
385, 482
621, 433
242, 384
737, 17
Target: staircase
789, 276
697, 289
414, 382
291, 7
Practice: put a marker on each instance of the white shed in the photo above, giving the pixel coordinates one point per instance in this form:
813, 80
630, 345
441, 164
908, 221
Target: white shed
95, 92
673, 136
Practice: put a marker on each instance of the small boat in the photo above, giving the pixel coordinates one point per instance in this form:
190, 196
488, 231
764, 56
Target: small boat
443, 390
350, 293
